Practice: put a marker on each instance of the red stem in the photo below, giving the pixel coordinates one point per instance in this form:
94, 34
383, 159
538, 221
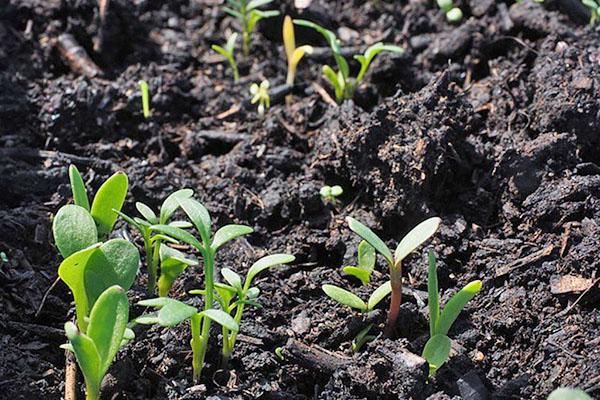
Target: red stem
396, 300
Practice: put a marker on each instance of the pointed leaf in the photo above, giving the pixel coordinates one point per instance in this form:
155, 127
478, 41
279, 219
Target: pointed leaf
344, 297
455, 306
199, 216
178, 234
110, 195
264, 263
180, 224
363, 275
170, 205
146, 212
87, 357
147, 319
289, 39
175, 312
433, 295
437, 352
228, 233
366, 256
80, 196
131, 221
232, 278
252, 4
379, 294
74, 229
416, 237
374, 240
222, 318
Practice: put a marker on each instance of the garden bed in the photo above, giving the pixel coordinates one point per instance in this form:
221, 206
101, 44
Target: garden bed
491, 124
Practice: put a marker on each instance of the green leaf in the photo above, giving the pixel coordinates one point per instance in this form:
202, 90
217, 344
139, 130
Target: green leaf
374, 240
180, 224
329, 36
433, 294
146, 213
359, 273
366, 59
172, 264
233, 13
232, 278
455, 306
71, 271
416, 237
379, 294
222, 318
80, 197
178, 234
265, 263
110, 195
171, 312
344, 297
87, 357
437, 352
129, 220
336, 190
108, 321
568, 394
170, 205
228, 233
199, 216
366, 256
147, 319
252, 4
332, 77
74, 229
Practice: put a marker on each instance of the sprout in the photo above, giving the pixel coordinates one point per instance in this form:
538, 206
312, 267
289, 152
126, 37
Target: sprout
145, 98
343, 85
362, 338
453, 14
568, 394
294, 54
260, 95
437, 348
227, 52
248, 15
331, 193
366, 263
594, 7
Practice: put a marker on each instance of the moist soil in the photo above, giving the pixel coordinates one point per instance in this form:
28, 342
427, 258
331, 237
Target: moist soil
492, 124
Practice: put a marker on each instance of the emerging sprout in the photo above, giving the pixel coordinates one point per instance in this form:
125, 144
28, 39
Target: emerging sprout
453, 14
347, 298
153, 246
248, 15
260, 95
594, 7
366, 263
279, 353
3, 258
343, 85
416, 237
569, 394
331, 193
227, 52
362, 338
145, 98
294, 54
437, 348
107, 332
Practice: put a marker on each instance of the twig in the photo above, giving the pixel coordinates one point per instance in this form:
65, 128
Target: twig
39, 309
70, 376
531, 258
76, 56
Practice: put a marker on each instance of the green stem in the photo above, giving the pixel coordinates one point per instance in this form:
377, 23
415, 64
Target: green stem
246, 43
151, 256
196, 347
209, 264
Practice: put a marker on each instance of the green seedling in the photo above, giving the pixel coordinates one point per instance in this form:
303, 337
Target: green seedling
331, 193
362, 338
208, 245
172, 264
294, 54
453, 14
78, 226
415, 238
343, 85
366, 263
3, 258
235, 295
347, 298
594, 7
437, 348
145, 98
260, 95
153, 240
248, 15
107, 331
569, 394
228, 53
279, 353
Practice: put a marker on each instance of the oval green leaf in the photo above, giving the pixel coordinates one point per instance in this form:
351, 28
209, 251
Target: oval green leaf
80, 197
199, 216
74, 229
146, 212
455, 306
228, 233
416, 237
111, 195
170, 205
344, 297
437, 352
221, 318
379, 294
264, 263
370, 236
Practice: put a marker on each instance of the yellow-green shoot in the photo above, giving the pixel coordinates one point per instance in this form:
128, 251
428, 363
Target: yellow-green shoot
228, 53
145, 98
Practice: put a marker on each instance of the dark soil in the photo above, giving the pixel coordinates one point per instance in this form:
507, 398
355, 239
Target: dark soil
493, 125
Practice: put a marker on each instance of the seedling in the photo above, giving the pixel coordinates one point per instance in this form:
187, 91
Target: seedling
594, 7
96, 349
78, 226
227, 52
362, 338
235, 295
171, 311
416, 237
344, 86
453, 14
172, 264
279, 353
331, 193
347, 298
153, 240
569, 394
437, 348
248, 15
294, 54
145, 98
366, 263
260, 95
3, 258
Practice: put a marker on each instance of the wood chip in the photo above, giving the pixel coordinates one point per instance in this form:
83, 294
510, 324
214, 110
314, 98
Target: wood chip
570, 284
521, 262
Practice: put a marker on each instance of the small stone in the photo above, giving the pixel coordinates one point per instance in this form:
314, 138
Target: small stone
471, 387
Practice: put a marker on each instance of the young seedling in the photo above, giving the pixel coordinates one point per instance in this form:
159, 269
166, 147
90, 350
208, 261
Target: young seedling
437, 348
329, 194
208, 245
453, 14
248, 15
347, 298
145, 98
294, 54
107, 330
227, 52
416, 237
153, 240
362, 338
78, 226
260, 95
366, 263
172, 264
343, 85
569, 394
594, 7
